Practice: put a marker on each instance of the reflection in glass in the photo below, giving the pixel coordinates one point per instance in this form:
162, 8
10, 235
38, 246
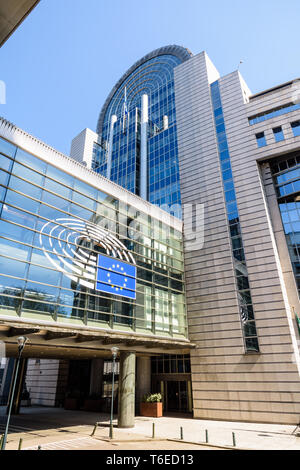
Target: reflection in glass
11, 293
7, 148
244, 297
49, 292
31, 161
25, 187
14, 249
12, 267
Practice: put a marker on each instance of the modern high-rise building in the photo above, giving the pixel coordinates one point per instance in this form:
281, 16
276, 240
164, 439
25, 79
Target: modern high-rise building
136, 141
176, 132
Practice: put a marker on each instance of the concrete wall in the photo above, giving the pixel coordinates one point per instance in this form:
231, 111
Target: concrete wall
227, 383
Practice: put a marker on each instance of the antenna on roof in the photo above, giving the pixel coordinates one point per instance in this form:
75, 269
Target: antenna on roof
240, 64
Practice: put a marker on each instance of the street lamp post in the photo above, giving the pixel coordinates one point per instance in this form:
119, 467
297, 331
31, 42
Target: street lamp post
21, 344
114, 351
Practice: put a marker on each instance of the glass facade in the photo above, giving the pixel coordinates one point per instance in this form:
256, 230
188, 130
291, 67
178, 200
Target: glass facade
155, 78
53, 226
171, 364
286, 176
240, 266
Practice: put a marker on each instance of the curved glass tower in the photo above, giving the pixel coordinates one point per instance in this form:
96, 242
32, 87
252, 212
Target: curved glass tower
137, 128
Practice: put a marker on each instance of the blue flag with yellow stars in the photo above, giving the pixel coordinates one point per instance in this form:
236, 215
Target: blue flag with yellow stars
116, 277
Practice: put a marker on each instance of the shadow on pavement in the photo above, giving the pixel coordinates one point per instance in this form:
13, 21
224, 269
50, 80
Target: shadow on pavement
42, 418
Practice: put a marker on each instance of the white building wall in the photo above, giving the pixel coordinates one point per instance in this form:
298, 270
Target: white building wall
82, 147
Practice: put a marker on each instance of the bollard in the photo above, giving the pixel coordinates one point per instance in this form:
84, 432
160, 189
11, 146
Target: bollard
153, 430
20, 444
233, 439
181, 434
206, 436
95, 428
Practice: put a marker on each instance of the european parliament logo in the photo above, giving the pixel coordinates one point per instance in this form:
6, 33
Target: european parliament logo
116, 277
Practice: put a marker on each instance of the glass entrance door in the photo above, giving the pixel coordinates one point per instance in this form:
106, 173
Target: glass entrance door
176, 396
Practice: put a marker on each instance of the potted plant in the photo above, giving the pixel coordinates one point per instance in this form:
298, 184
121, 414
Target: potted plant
151, 405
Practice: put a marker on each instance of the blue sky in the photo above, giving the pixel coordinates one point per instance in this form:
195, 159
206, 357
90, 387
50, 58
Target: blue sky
62, 62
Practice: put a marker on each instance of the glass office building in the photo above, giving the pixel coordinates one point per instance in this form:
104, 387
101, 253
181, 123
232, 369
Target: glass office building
74, 254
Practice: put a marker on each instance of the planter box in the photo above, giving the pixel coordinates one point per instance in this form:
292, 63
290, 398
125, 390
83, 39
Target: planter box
71, 404
152, 410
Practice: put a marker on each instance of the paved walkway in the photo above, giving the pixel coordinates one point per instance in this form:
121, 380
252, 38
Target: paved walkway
61, 429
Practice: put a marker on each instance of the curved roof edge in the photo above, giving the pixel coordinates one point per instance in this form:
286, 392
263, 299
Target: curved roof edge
178, 51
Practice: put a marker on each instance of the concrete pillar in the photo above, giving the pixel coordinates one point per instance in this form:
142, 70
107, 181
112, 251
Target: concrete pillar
143, 378
97, 366
126, 390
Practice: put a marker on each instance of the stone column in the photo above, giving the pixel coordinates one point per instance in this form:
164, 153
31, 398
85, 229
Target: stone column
126, 390
143, 379
96, 376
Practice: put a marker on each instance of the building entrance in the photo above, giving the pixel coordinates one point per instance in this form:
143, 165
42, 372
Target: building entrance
176, 396
171, 376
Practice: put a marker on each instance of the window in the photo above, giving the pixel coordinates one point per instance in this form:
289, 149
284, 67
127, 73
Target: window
278, 134
261, 140
287, 108
296, 128
244, 296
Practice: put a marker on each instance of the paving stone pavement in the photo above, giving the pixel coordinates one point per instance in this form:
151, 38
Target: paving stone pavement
62, 429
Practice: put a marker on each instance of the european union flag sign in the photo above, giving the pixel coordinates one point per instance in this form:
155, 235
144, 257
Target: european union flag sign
116, 277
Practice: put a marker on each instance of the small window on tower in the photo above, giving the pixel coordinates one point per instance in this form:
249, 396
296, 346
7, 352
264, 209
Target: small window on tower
278, 134
296, 128
261, 140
